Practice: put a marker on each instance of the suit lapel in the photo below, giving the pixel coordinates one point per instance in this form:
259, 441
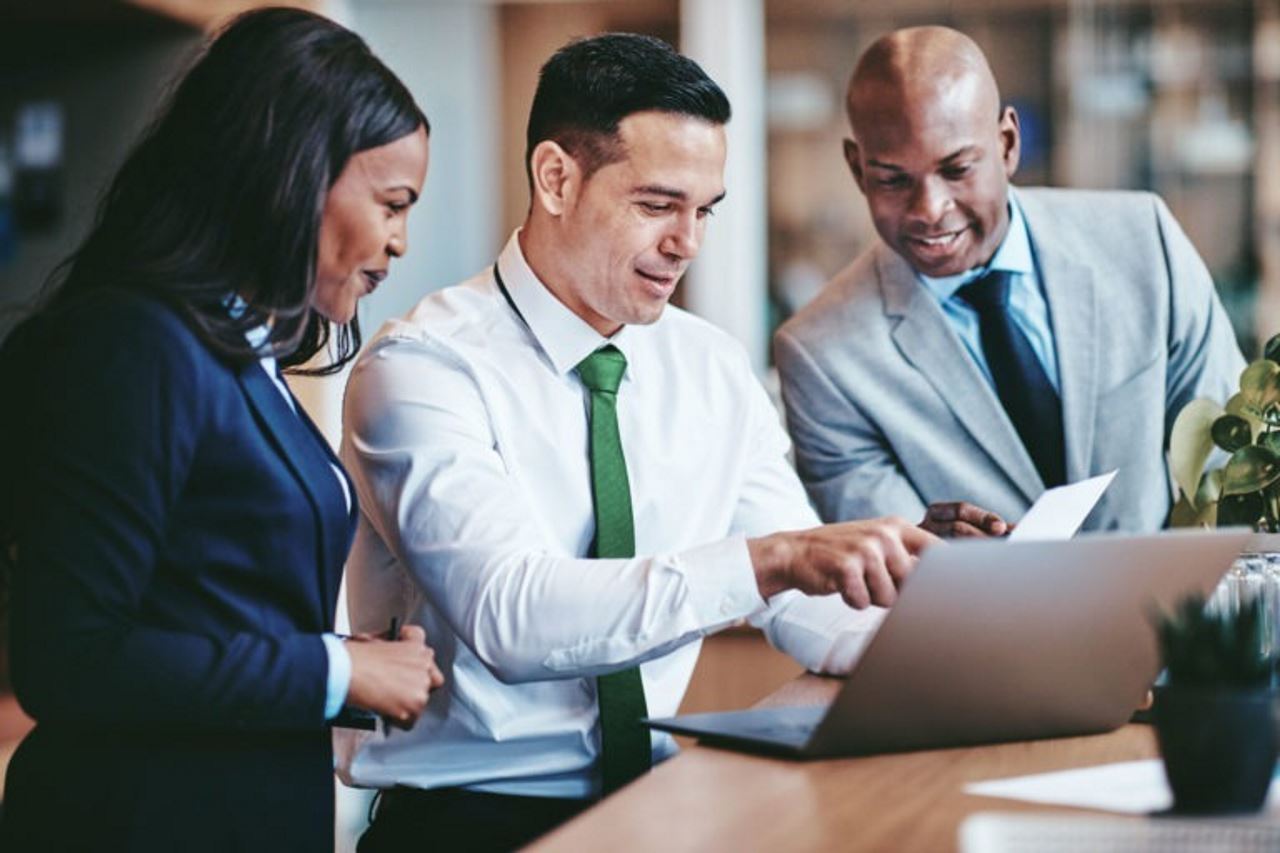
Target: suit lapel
927, 341
338, 537
1071, 292
305, 456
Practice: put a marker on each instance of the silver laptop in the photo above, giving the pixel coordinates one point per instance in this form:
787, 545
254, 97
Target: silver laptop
996, 641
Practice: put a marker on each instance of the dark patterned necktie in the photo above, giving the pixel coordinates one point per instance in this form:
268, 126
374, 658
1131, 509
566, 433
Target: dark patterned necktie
1021, 382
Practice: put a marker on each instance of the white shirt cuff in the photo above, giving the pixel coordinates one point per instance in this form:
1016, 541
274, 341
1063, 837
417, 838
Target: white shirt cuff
339, 675
721, 581
849, 644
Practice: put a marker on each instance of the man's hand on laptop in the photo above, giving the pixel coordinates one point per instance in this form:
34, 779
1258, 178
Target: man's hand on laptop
864, 561
956, 519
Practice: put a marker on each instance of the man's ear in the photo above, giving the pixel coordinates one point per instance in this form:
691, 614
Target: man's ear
1010, 141
556, 176
852, 156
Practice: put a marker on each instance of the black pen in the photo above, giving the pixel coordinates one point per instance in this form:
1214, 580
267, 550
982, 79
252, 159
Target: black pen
393, 632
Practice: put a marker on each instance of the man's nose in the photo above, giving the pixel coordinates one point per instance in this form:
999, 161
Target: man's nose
930, 201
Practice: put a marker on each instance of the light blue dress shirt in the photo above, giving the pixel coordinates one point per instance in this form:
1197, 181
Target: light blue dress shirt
1027, 303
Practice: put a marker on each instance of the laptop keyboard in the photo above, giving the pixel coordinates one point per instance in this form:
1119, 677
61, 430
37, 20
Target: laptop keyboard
990, 832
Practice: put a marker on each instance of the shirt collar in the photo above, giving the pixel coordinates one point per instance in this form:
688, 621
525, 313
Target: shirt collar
1014, 255
564, 336
257, 336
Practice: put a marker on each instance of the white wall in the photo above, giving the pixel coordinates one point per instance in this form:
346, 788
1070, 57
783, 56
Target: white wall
728, 283
107, 99
445, 51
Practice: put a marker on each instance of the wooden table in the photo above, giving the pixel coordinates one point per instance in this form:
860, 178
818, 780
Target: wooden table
712, 799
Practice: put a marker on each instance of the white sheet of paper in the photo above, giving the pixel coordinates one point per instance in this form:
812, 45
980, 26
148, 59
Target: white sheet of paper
1060, 511
1129, 787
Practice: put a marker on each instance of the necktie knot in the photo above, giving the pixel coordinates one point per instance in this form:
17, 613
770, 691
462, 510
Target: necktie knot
603, 369
989, 291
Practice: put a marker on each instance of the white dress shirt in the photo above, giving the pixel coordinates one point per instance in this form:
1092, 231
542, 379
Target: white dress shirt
466, 433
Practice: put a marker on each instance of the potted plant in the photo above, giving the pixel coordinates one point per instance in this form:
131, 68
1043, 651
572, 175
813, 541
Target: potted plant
1215, 717
1245, 490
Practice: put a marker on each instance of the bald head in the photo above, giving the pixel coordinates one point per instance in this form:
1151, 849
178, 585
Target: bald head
932, 149
904, 72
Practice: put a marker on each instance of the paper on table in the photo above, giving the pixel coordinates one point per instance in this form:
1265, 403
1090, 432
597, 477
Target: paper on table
1129, 787
1060, 511
1036, 832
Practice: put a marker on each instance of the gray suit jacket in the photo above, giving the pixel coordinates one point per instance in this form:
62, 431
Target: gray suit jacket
889, 413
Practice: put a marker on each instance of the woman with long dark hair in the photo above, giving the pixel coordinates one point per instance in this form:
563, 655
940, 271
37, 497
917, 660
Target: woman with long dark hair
175, 525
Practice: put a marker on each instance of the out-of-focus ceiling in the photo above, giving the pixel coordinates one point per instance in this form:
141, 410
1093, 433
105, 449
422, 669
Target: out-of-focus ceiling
207, 14
201, 14
38, 38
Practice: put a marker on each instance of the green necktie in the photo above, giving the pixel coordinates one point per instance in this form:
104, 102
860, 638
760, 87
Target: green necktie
624, 743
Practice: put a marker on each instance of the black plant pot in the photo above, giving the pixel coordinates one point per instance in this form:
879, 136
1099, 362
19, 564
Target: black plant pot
1219, 746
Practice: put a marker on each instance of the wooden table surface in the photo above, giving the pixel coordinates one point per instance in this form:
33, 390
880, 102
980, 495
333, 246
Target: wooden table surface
713, 799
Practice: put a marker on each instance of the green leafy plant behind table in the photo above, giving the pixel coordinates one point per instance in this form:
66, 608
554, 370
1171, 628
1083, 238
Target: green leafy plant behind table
1246, 490
1215, 718
1203, 647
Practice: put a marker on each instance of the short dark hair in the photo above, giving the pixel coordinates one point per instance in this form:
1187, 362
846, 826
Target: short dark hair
590, 85
224, 192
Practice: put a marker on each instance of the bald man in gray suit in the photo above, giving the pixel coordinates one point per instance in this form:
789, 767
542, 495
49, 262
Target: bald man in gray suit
996, 340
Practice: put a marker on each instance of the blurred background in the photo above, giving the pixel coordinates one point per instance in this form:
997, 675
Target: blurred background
1174, 96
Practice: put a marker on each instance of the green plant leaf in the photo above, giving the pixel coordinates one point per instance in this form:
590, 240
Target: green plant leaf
1240, 510
1216, 647
1271, 441
1231, 432
1250, 469
1236, 406
1272, 350
1183, 515
1191, 442
1210, 488
1260, 388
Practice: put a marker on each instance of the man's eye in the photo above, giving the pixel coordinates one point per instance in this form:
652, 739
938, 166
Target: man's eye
704, 212
655, 207
893, 182
955, 173
397, 206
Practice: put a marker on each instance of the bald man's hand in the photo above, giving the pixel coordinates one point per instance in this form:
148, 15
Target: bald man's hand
959, 519
864, 561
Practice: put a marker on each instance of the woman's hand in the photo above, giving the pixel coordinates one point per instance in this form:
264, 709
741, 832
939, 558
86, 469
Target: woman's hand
393, 677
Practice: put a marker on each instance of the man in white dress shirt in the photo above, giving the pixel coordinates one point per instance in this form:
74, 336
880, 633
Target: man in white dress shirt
471, 434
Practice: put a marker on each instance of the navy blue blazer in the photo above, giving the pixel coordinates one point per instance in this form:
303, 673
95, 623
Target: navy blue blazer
181, 537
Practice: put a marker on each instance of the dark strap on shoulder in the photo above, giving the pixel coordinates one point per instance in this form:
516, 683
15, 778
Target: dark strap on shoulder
506, 294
